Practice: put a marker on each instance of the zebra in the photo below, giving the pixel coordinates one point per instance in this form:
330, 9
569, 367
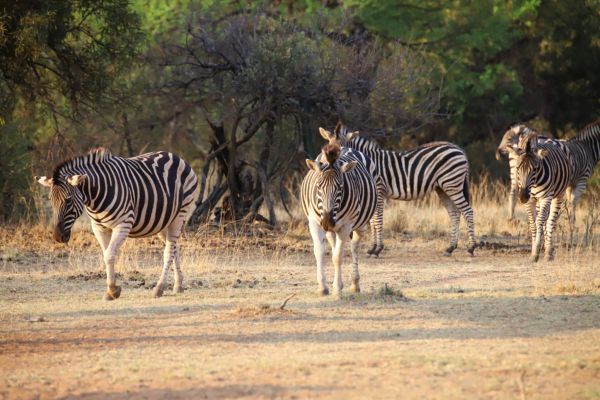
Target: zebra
141, 196
339, 198
442, 167
584, 151
377, 220
544, 172
510, 139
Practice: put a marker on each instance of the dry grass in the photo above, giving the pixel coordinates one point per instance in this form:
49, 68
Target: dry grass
424, 326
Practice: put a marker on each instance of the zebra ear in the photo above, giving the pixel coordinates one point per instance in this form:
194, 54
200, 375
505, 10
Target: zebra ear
76, 180
325, 134
314, 165
541, 153
349, 166
44, 181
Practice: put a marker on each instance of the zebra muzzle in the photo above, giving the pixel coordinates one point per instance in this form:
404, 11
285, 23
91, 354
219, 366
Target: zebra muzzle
524, 195
60, 235
327, 221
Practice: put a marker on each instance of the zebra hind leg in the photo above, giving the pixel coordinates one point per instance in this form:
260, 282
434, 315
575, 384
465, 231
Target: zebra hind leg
454, 215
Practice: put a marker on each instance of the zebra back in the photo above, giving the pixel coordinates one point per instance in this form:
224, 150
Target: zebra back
412, 174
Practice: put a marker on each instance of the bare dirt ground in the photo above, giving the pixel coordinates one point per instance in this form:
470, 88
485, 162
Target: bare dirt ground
425, 326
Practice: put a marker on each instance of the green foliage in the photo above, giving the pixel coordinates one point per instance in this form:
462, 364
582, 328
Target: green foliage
466, 38
59, 61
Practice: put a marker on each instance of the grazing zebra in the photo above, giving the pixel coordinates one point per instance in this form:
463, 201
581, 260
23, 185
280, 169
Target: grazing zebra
544, 172
584, 151
125, 197
442, 167
377, 220
339, 198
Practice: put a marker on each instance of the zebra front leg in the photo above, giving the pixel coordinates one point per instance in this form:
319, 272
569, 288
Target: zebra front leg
512, 198
118, 236
354, 249
338, 257
318, 237
550, 224
542, 216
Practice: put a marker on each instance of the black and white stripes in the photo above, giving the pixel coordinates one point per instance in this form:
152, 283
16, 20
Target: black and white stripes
442, 167
142, 196
339, 198
544, 171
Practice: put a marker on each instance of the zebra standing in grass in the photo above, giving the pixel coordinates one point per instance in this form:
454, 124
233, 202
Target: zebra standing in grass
142, 196
442, 167
584, 152
377, 220
339, 198
511, 139
544, 172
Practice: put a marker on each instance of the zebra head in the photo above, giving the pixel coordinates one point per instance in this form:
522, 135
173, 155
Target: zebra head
340, 134
510, 139
329, 189
67, 203
528, 158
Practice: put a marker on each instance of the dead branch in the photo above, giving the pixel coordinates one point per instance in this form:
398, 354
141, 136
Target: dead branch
282, 306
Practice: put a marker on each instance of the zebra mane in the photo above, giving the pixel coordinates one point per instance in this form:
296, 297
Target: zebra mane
94, 156
331, 152
366, 143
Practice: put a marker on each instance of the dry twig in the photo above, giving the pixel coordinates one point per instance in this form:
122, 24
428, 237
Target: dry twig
282, 306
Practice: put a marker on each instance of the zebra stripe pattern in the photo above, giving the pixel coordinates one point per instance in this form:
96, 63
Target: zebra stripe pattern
442, 167
377, 220
544, 172
339, 198
583, 150
150, 194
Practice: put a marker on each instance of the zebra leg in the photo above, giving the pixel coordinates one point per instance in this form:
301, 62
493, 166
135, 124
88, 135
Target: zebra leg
553, 217
467, 212
536, 245
531, 218
318, 237
354, 249
454, 215
373, 237
377, 227
118, 236
512, 198
574, 197
168, 255
338, 257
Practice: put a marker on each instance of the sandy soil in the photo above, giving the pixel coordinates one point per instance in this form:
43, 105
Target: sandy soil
425, 326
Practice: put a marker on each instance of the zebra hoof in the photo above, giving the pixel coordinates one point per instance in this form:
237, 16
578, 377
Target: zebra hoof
178, 289
534, 258
549, 257
372, 250
323, 291
355, 288
377, 251
112, 293
449, 251
158, 291
471, 250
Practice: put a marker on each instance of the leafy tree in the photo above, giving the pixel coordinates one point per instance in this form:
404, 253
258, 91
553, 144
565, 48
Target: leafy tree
59, 59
